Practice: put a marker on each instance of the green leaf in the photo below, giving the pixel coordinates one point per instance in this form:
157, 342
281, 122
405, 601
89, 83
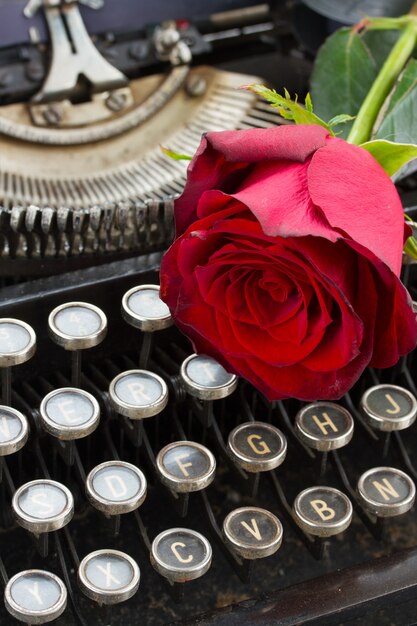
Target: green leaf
410, 247
391, 156
340, 119
345, 69
289, 109
399, 123
176, 156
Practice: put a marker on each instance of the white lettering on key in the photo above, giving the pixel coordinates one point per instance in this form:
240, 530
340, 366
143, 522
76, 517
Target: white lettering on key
110, 578
138, 392
116, 485
208, 368
253, 529
39, 499
68, 413
34, 590
181, 559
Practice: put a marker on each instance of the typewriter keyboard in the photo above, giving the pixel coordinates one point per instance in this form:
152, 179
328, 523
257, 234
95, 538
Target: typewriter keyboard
143, 484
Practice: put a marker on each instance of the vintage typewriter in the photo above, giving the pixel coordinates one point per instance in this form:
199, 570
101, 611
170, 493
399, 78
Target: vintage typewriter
142, 484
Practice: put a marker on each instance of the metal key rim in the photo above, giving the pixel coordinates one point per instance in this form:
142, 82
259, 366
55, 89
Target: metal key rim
139, 321
176, 573
330, 442
109, 596
36, 617
257, 465
386, 509
387, 423
249, 551
20, 356
328, 529
17, 443
216, 392
74, 342
133, 411
186, 485
68, 433
47, 524
115, 508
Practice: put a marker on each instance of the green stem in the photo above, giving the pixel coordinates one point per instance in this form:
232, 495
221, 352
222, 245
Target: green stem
362, 127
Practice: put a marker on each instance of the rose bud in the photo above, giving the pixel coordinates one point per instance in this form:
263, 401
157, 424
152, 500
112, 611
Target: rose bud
287, 260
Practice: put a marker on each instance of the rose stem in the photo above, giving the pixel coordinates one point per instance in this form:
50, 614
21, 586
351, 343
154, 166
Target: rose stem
362, 126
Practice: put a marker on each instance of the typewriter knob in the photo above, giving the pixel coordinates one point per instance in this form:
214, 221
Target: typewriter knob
35, 597
206, 379
257, 446
17, 342
181, 555
322, 511
42, 506
186, 466
252, 533
386, 491
324, 426
69, 413
143, 308
138, 394
77, 325
108, 576
116, 487
388, 407
14, 430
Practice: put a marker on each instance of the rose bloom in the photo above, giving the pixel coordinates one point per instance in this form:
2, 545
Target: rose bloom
286, 263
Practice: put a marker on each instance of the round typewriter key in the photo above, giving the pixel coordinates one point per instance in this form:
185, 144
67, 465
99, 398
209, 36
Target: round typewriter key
138, 394
181, 555
116, 487
69, 413
388, 407
42, 506
77, 325
386, 491
322, 511
17, 342
206, 379
257, 446
14, 430
143, 308
185, 466
35, 596
108, 576
324, 426
253, 533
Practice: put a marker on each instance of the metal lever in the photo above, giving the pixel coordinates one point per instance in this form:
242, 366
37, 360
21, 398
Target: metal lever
73, 52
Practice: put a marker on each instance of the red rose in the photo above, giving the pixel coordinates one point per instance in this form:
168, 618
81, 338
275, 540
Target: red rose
286, 263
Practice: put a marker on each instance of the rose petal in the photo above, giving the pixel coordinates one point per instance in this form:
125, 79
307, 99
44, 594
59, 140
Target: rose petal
358, 197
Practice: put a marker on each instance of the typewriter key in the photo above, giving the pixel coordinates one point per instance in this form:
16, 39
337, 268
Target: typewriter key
252, 533
181, 555
324, 426
77, 325
42, 506
143, 308
388, 407
108, 576
206, 379
35, 596
116, 487
138, 394
17, 342
322, 511
257, 446
185, 466
69, 413
14, 430
386, 491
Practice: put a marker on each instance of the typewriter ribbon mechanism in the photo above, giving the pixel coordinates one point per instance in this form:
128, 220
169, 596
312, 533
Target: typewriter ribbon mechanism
82, 156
